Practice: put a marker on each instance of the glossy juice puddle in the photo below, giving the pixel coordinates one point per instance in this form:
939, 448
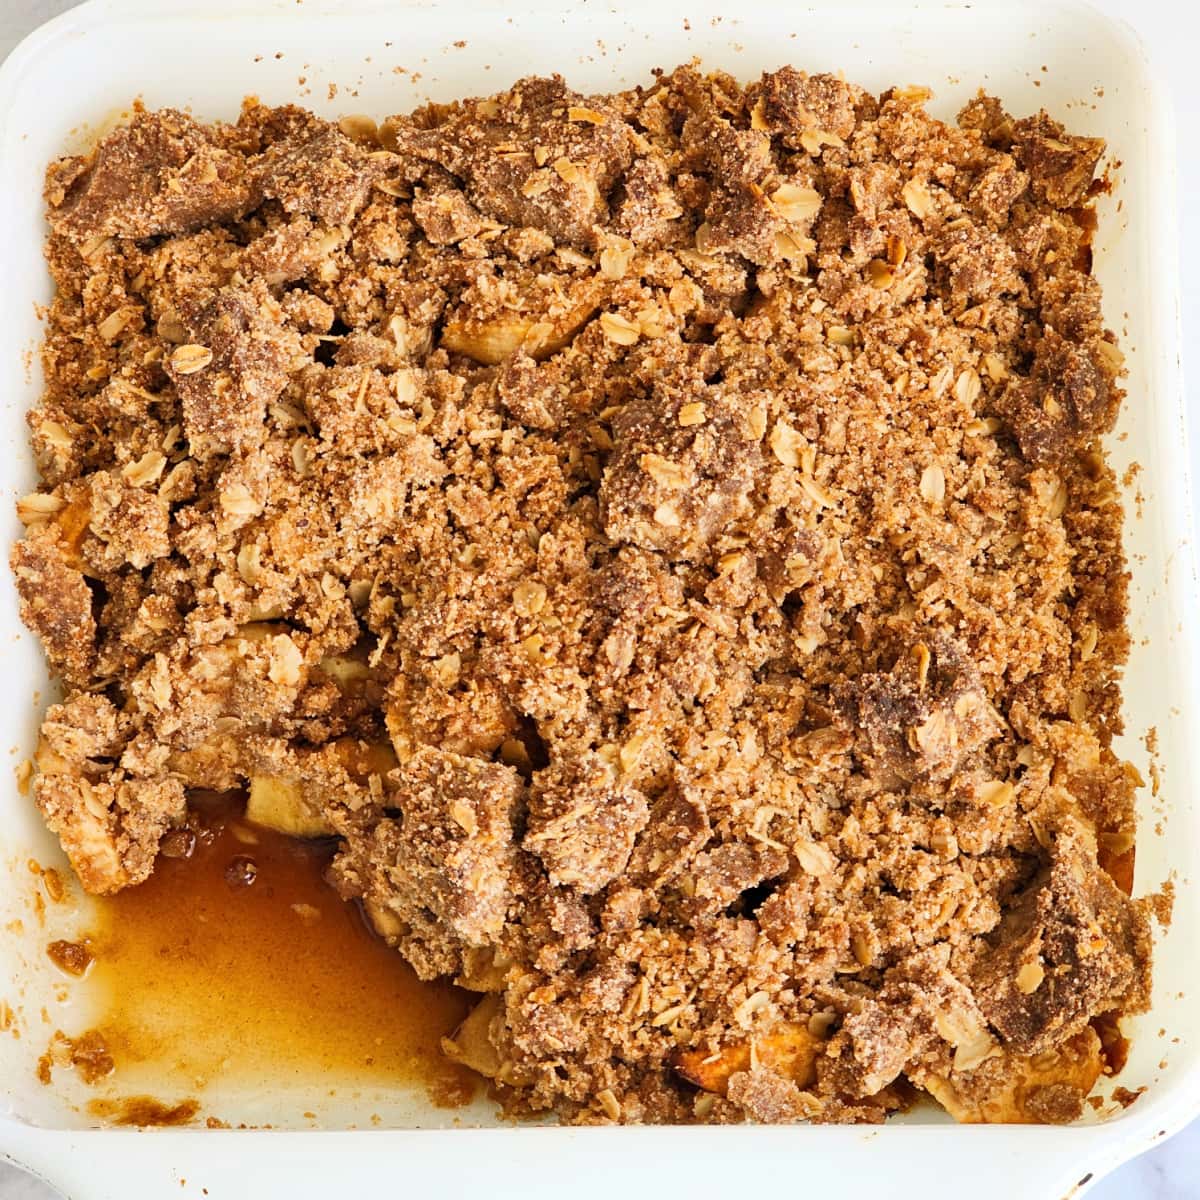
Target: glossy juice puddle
239, 965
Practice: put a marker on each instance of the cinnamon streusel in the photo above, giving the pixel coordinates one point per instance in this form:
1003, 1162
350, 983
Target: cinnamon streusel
664, 536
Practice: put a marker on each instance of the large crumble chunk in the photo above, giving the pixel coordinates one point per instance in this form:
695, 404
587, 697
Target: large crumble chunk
441, 875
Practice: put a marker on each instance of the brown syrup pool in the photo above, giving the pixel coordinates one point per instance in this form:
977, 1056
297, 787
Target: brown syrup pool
202, 975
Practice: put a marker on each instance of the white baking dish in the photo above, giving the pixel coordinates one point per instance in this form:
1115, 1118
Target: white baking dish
75, 75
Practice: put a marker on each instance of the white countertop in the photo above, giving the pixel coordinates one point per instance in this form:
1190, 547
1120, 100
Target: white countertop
1172, 1170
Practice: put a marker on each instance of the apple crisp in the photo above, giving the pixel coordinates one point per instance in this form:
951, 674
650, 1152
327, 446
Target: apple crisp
664, 537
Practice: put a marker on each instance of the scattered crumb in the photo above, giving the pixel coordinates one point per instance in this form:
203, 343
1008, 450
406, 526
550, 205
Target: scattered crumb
87, 1054
74, 958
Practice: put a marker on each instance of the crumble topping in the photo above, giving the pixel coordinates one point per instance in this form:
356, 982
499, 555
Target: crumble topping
664, 536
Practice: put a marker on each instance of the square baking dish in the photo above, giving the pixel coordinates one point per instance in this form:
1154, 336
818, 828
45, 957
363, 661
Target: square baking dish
73, 78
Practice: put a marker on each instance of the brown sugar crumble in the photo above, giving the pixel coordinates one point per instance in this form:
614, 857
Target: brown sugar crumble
665, 537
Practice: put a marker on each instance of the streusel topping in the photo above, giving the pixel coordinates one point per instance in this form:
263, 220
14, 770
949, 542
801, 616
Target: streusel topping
666, 538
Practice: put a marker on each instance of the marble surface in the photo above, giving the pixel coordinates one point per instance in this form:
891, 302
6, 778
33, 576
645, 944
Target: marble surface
1170, 1171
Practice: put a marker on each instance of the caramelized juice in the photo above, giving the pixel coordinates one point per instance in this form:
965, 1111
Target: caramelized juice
239, 959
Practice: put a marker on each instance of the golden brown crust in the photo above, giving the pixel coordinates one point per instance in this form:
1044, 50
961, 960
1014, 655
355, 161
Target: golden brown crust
700, 488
